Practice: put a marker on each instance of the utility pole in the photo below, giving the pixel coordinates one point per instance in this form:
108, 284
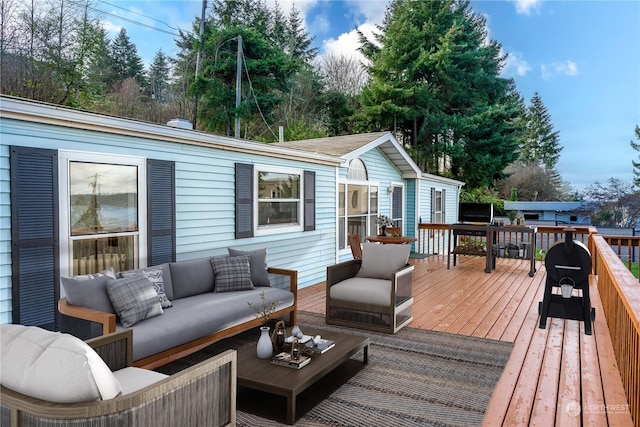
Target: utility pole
238, 84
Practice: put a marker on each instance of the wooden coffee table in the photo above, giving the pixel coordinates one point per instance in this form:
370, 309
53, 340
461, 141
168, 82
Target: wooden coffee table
261, 374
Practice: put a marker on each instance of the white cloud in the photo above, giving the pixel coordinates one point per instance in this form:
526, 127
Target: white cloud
110, 27
373, 11
567, 68
527, 6
516, 64
347, 44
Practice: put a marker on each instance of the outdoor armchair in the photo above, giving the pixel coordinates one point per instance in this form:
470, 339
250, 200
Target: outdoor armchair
374, 293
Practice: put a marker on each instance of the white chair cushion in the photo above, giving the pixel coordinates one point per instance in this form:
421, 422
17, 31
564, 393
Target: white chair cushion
132, 379
52, 366
381, 261
363, 290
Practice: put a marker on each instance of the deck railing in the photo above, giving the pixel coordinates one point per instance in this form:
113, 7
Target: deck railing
620, 295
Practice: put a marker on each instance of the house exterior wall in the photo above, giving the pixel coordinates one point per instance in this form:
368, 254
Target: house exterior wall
204, 182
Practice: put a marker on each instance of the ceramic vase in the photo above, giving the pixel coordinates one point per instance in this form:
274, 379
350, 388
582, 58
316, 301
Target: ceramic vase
264, 348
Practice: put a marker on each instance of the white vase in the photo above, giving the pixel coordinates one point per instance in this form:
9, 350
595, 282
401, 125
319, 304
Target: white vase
264, 348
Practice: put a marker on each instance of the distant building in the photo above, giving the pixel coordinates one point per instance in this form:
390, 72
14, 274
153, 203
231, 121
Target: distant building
553, 213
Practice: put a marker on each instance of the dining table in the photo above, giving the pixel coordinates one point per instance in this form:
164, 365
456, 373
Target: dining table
395, 240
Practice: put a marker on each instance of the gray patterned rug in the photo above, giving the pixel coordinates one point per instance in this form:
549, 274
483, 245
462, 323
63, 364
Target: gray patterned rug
414, 378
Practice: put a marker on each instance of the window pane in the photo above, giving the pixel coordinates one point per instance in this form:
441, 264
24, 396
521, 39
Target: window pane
341, 200
341, 235
103, 198
373, 197
357, 225
93, 255
272, 185
277, 213
358, 200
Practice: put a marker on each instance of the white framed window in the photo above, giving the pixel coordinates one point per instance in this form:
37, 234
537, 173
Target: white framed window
103, 211
358, 204
279, 199
438, 210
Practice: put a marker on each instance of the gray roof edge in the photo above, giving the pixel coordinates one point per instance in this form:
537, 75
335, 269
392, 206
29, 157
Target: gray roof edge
35, 111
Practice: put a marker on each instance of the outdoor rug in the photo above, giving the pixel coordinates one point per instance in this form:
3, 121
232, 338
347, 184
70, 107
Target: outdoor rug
413, 378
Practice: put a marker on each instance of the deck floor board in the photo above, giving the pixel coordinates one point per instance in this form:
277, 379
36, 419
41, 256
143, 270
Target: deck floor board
548, 369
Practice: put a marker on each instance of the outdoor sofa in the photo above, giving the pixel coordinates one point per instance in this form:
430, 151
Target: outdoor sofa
197, 302
54, 379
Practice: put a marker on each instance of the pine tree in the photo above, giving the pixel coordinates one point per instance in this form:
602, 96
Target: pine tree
125, 61
541, 144
159, 77
636, 165
435, 80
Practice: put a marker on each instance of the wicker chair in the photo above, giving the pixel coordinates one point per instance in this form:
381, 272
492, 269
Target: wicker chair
201, 395
362, 313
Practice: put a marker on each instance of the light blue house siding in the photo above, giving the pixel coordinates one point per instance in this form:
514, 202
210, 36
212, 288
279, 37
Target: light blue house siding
204, 192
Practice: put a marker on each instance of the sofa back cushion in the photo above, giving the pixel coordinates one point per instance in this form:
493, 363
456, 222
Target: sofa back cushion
52, 366
89, 290
191, 277
381, 261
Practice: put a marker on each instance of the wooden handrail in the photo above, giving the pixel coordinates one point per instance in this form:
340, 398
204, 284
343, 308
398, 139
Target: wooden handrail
629, 243
620, 295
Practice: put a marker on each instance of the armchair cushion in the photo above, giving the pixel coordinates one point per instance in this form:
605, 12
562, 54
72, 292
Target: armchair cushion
52, 366
363, 291
381, 261
133, 379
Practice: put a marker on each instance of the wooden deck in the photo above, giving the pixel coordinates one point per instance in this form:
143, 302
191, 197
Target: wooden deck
550, 370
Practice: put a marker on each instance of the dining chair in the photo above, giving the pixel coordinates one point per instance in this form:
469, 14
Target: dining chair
356, 249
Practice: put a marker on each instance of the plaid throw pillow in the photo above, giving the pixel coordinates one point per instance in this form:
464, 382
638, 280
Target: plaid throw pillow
134, 299
232, 273
157, 280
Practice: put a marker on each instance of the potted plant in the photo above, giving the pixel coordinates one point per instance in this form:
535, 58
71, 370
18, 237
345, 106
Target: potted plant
383, 222
264, 312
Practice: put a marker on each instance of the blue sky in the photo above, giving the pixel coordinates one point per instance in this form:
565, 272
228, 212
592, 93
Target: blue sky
582, 57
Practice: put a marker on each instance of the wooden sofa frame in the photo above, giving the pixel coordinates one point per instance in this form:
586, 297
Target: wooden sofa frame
108, 322
201, 395
389, 319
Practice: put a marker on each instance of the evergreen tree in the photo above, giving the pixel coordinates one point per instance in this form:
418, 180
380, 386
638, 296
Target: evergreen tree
541, 144
434, 79
159, 75
125, 61
636, 165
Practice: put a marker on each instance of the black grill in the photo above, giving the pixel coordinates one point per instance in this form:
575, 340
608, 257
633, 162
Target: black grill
568, 265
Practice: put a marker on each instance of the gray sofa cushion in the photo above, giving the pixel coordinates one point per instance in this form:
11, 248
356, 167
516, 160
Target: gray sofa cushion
191, 277
197, 316
257, 265
363, 290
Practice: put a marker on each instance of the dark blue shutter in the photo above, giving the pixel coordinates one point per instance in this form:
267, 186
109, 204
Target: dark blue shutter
397, 203
161, 212
244, 200
309, 200
35, 273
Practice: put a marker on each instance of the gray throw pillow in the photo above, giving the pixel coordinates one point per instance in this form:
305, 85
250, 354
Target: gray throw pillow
381, 261
232, 273
257, 265
89, 290
155, 276
134, 299
191, 277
